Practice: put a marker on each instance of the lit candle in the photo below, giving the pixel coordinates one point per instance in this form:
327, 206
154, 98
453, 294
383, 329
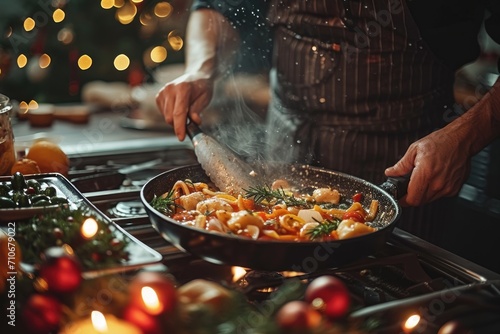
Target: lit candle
89, 228
100, 324
151, 301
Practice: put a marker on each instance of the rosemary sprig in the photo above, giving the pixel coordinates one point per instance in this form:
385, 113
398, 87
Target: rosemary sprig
264, 193
165, 203
323, 229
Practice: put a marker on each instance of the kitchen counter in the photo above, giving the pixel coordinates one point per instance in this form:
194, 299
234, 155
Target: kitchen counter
105, 132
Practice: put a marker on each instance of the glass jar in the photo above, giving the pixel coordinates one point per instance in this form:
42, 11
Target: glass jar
7, 151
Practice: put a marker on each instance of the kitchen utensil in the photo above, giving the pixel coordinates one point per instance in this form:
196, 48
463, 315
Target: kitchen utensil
224, 168
270, 254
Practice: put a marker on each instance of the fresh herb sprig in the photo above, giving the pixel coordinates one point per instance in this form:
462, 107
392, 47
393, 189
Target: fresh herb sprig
323, 229
165, 203
264, 193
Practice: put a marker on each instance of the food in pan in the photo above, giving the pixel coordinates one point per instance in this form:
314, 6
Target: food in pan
275, 212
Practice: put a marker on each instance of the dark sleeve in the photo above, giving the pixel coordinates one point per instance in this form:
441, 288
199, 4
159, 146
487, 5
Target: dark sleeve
249, 17
492, 22
241, 13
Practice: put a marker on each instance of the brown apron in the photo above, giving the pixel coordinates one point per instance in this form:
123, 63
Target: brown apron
353, 85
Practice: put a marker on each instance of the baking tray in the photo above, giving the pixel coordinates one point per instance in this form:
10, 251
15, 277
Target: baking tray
139, 254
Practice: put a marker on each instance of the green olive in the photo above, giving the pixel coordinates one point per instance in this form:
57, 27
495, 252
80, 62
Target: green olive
18, 182
50, 191
37, 198
7, 203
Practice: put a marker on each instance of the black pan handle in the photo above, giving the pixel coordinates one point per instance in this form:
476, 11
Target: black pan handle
397, 186
192, 128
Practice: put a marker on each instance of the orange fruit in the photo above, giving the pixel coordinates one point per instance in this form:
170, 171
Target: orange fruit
25, 166
49, 157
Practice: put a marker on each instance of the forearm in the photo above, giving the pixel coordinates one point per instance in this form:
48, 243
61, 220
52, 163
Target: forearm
480, 124
211, 43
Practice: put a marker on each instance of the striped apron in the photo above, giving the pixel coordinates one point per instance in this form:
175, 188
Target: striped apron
353, 85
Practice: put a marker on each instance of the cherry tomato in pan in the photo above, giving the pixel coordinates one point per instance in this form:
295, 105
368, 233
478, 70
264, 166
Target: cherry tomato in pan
354, 215
358, 197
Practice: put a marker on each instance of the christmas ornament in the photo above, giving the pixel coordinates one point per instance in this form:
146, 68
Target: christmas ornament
41, 314
60, 270
329, 295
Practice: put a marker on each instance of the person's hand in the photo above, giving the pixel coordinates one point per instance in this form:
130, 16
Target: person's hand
187, 95
439, 165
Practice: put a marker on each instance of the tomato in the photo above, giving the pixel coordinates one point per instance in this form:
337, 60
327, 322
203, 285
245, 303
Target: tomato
354, 215
358, 197
297, 317
329, 295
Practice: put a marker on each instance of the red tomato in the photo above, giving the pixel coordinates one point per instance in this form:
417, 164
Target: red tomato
329, 295
297, 317
354, 215
357, 197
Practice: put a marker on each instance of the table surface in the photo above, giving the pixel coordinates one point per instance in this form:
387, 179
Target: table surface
106, 132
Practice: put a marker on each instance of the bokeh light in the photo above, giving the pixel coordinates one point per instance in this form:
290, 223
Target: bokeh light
44, 61
22, 60
158, 54
29, 24
121, 62
84, 62
58, 15
163, 9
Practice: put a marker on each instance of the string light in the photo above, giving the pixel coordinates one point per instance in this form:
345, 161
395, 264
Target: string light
107, 4
121, 62
163, 9
58, 15
44, 61
84, 62
22, 60
29, 24
158, 54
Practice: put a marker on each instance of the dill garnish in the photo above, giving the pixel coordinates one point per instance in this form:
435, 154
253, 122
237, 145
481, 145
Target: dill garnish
262, 194
323, 229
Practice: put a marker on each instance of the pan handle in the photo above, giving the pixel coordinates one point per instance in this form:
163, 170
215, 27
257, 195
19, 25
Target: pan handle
397, 187
192, 128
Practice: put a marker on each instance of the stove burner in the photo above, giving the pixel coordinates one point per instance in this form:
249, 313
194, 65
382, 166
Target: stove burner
128, 209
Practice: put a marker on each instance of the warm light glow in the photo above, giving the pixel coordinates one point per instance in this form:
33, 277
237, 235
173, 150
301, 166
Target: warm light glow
126, 14
84, 62
8, 32
119, 3
175, 41
107, 4
136, 1
99, 322
163, 9
238, 272
32, 105
58, 15
146, 18
151, 301
411, 322
121, 62
22, 61
158, 54
89, 228
23, 107
29, 24
65, 36
44, 61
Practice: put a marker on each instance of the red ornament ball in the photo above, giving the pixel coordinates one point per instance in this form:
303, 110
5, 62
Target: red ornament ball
297, 317
329, 295
60, 270
41, 314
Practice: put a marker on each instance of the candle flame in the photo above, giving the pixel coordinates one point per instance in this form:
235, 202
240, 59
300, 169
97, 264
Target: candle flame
238, 272
89, 228
99, 322
411, 322
151, 301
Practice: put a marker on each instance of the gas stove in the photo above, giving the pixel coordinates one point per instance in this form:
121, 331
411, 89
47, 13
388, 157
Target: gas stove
408, 277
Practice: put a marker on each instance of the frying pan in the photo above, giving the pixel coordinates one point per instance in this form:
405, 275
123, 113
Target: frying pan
270, 255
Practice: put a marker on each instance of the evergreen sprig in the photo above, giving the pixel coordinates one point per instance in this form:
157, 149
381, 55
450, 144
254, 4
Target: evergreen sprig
323, 229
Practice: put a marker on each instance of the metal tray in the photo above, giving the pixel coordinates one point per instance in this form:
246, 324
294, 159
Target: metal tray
139, 254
